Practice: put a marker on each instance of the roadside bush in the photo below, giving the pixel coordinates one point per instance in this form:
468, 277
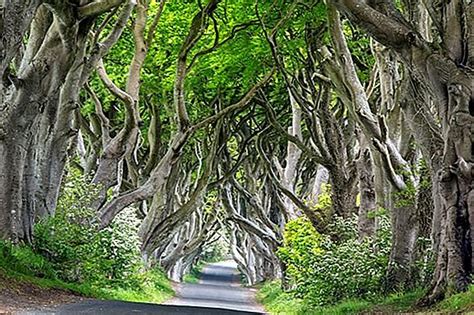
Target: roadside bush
80, 252
301, 244
322, 207
341, 230
324, 272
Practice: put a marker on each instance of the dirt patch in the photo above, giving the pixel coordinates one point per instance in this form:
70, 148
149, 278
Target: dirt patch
21, 296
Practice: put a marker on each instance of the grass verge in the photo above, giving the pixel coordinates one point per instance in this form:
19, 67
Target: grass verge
194, 275
459, 303
21, 264
278, 302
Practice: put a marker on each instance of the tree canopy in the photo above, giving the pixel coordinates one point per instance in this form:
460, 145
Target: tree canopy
263, 123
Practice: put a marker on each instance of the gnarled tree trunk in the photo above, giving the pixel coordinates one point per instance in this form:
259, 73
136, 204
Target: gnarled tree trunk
40, 85
444, 72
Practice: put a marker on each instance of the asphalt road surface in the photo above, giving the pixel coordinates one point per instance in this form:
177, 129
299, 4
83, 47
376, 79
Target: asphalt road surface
217, 293
219, 286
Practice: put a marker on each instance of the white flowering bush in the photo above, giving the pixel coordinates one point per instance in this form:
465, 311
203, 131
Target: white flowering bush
79, 251
324, 271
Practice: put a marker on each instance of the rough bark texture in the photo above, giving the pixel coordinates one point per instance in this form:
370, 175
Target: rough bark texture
444, 73
39, 90
367, 208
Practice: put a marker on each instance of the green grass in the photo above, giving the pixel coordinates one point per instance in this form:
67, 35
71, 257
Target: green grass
461, 302
194, 275
21, 264
155, 287
278, 302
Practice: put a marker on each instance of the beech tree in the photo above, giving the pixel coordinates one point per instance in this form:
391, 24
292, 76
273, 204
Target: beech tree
41, 79
439, 64
222, 121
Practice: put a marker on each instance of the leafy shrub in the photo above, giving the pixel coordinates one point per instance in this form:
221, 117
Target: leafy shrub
324, 202
340, 229
324, 272
301, 244
69, 252
322, 207
80, 252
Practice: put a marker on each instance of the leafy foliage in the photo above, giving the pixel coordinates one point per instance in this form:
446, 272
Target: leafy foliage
22, 264
69, 252
216, 251
301, 244
324, 271
78, 250
323, 205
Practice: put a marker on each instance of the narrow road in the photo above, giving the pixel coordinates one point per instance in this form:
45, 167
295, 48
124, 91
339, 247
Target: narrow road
218, 293
219, 286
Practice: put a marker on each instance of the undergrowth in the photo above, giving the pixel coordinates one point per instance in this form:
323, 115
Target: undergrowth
339, 273
276, 301
69, 251
20, 263
194, 275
